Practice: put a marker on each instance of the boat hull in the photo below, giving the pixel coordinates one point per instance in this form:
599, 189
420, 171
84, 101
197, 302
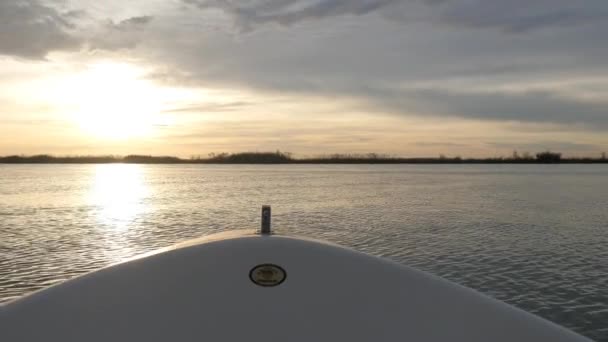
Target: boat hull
248, 287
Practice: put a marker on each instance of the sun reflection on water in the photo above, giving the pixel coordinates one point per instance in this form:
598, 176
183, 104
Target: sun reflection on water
118, 193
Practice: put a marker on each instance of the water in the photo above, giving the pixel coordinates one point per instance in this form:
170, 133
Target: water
532, 235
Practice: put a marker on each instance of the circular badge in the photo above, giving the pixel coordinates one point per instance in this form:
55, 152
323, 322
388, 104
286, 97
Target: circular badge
267, 275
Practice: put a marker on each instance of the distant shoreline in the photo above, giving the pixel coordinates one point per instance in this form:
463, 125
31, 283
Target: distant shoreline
286, 158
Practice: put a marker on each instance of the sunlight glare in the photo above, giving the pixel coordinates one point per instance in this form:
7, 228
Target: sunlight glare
119, 194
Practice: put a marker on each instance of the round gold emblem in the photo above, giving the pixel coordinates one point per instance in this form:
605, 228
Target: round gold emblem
267, 275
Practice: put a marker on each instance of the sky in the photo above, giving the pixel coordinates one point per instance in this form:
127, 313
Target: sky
408, 78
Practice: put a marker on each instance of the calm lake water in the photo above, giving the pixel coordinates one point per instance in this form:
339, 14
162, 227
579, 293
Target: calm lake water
535, 236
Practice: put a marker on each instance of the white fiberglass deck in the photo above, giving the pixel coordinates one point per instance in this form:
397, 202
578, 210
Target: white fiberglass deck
203, 291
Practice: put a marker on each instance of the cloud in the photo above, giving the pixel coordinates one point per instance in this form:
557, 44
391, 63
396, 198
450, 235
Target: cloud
33, 122
288, 12
515, 16
30, 29
134, 21
524, 106
360, 54
125, 34
438, 144
210, 107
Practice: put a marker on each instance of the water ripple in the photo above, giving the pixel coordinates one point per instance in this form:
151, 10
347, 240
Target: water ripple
534, 236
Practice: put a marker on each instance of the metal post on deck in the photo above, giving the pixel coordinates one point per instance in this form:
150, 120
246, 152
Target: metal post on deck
265, 219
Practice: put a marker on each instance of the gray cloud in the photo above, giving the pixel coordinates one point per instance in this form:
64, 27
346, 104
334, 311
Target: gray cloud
515, 16
125, 34
288, 12
210, 107
423, 68
526, 106
30, 29
134, 21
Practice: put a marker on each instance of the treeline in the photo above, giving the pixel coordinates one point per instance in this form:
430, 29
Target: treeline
279, 157
221, 158
49, 159
248, 158
546, 157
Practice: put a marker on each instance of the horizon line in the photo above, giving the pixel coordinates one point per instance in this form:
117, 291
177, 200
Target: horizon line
288, 158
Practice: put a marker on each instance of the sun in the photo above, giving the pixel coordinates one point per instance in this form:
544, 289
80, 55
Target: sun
114, 101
